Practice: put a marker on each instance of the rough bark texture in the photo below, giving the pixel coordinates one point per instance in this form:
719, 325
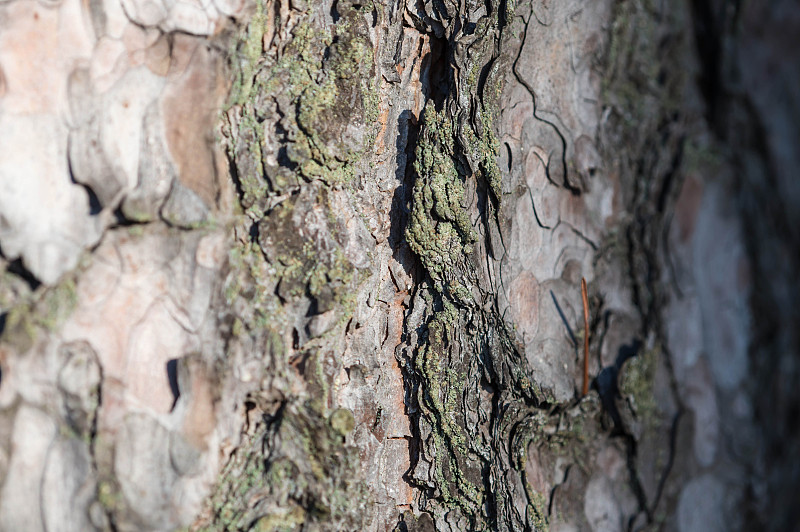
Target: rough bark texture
297, 265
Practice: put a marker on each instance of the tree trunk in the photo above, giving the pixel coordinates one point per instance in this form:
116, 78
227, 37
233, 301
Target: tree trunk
283, 265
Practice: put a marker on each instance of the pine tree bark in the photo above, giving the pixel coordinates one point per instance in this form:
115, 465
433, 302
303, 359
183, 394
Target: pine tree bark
291, 265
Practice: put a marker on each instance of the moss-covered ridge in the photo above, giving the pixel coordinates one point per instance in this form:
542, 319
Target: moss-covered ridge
306, 484
474, 387
439, 230
304, 104
298, 125
455, 166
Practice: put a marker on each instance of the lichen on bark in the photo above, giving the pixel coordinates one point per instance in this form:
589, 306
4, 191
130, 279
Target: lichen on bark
300, 119
470, 382
304, 100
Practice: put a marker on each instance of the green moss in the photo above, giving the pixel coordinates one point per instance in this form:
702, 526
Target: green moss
484, 148
636, 385
242, 474
537, 509
20, 330
136, 230
443, 393
439, 230
308, 95
456, 151
308, 476
57, 304
250, 286
284, 522
639, 54
45, 309
342, 421
245, 55
108, 496
300, 266
702, 156
237, 328
326, 76
480, 142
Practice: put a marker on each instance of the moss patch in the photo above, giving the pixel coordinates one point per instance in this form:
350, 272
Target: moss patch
298, 124
636, 385
304, 109
307, 480
45, 309
439, 231
444, 386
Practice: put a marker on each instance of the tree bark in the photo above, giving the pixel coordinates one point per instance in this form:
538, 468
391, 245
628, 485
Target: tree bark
291, 265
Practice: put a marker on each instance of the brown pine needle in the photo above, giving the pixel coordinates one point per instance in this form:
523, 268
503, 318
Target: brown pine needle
585, 336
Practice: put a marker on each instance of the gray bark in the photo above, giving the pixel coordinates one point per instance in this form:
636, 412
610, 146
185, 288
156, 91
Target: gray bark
290, 265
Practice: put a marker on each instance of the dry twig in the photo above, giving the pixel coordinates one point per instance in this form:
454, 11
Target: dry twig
585, 336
